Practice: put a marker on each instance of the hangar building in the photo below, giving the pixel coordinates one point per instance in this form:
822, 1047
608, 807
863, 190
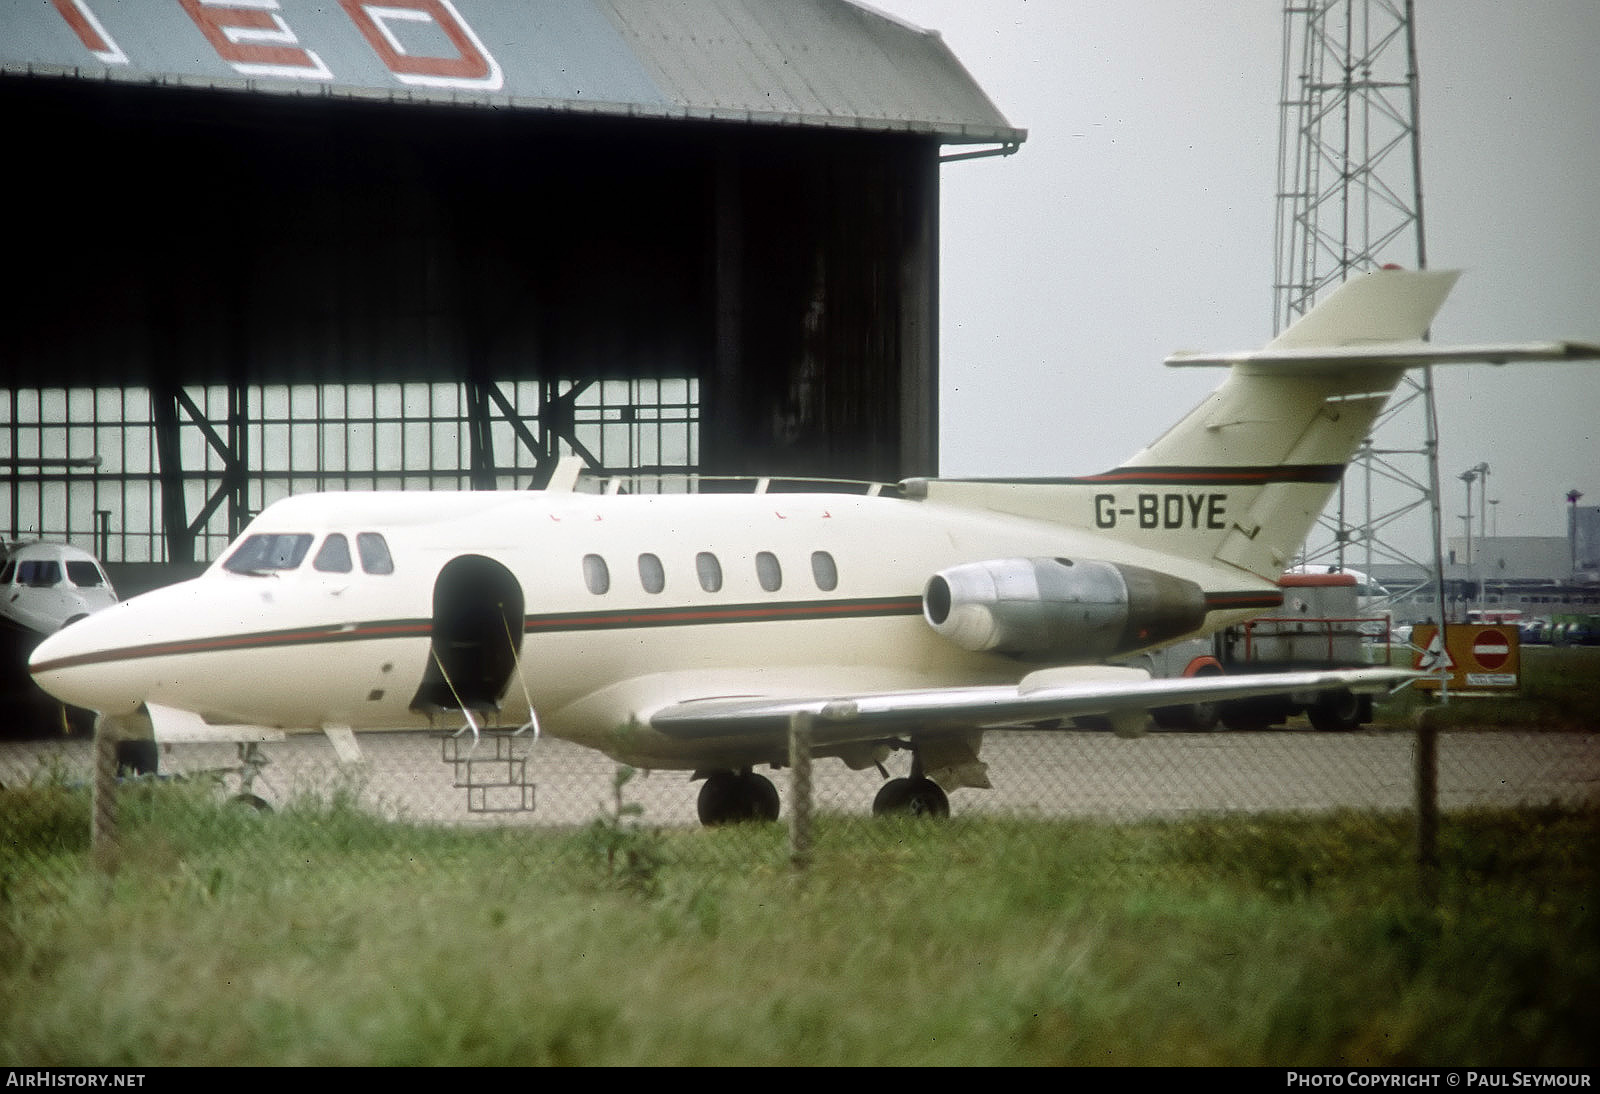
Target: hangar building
270, 246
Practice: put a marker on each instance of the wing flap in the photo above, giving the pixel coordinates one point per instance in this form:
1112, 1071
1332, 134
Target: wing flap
1043, 696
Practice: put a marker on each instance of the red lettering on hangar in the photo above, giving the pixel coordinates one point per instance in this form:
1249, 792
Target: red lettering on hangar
254, 38
375, 22
251, 36
83, 24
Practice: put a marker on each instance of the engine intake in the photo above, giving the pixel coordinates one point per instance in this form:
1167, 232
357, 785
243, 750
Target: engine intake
1060, 609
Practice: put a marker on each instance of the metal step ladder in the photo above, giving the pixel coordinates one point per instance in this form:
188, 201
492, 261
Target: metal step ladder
496, 780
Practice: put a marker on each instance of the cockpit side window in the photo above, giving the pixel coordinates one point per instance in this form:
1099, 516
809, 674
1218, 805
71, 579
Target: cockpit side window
333, 557
84, 574
269, 552
7, 573
374, 552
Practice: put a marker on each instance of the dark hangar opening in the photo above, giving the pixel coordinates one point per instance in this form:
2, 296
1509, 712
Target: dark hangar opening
233, 292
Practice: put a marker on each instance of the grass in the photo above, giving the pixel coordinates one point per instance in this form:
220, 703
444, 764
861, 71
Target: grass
323, 936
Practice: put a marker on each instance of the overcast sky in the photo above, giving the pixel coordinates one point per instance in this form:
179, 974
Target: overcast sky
1138, 219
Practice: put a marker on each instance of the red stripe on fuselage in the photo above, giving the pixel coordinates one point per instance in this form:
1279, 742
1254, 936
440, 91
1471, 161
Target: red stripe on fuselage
533, 624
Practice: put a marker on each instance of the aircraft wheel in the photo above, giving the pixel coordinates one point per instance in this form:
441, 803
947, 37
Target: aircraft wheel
731, 797
911, 798
763, 797
1336, 711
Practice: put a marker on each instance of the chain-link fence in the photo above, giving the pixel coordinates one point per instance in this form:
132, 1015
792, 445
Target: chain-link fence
500, 780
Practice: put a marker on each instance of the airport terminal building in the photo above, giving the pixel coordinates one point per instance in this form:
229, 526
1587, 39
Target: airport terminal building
1526, 579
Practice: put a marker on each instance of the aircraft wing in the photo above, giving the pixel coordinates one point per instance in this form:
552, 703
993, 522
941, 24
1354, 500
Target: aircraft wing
1041, 697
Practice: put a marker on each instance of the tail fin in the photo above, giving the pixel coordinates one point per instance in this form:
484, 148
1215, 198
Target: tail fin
1242, 478
1273, 441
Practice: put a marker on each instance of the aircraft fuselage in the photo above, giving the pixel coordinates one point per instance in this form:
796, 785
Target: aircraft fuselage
605, 604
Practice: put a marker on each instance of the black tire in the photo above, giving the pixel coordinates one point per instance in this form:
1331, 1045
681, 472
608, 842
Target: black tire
1337, 711
763, 796
911, 798
718, 801
728, 797
1251, 715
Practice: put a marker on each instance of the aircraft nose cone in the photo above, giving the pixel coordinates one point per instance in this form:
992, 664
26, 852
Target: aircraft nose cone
72, 665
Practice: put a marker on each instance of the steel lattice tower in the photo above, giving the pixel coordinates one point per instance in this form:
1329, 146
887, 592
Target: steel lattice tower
1350, 200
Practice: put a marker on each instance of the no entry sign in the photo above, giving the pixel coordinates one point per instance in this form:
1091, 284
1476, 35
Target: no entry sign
1473, 657
1491, 649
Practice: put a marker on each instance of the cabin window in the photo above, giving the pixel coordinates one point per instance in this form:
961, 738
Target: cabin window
269, 552
709, 571
825, 571
651, 574
596, 574
374, 552
84, 574
768, 572
333, 557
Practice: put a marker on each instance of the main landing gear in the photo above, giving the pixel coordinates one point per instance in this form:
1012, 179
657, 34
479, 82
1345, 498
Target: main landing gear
738, 797
913, 796
733, 797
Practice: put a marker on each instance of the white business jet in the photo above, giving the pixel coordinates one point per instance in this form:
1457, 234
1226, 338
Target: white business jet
45, 586
684, 631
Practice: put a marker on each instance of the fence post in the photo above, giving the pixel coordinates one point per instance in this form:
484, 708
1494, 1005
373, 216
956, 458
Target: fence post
800, 724
1427, 782
103, 837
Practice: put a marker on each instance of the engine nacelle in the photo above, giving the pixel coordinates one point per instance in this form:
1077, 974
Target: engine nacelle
1060, 609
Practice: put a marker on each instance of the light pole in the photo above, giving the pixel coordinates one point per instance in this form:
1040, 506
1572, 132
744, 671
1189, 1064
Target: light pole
1483, 497
1469, 476
1572, 529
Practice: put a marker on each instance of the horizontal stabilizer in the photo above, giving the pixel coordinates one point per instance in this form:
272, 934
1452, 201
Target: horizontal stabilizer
1388, 355
1379, 320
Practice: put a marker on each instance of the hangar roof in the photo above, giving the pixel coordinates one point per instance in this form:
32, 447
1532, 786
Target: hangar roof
808, 63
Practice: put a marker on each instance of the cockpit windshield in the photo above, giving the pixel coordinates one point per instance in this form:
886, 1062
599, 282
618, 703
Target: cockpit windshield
269, 553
